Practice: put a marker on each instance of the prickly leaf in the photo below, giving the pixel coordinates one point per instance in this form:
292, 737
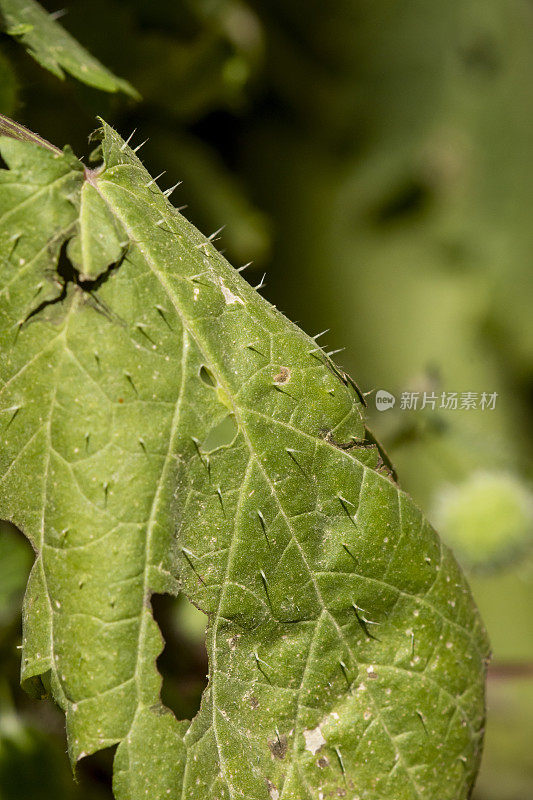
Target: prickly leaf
164, 427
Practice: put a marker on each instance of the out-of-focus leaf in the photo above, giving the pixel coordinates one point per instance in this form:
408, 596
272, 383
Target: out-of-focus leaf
54, 48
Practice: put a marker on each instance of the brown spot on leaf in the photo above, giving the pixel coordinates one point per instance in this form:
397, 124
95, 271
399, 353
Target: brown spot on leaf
283, 376
278, 746
272, 790
323, 762
254, 702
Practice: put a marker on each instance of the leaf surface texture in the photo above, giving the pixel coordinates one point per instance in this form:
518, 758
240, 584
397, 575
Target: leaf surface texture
165, 428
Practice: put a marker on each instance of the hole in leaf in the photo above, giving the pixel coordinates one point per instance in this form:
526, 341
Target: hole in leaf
207, 376
67, 274
96, 771
221, 435
16, 559
183, 663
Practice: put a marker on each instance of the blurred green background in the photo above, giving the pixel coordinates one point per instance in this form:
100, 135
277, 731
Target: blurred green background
375, 158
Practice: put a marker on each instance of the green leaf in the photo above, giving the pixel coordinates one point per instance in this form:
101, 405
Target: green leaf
346, 655
54, 48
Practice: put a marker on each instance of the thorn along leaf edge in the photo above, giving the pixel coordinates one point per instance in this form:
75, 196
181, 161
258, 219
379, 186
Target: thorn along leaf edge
337, 621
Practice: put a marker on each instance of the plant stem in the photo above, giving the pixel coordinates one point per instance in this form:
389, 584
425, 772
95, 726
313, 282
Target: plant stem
15, 130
